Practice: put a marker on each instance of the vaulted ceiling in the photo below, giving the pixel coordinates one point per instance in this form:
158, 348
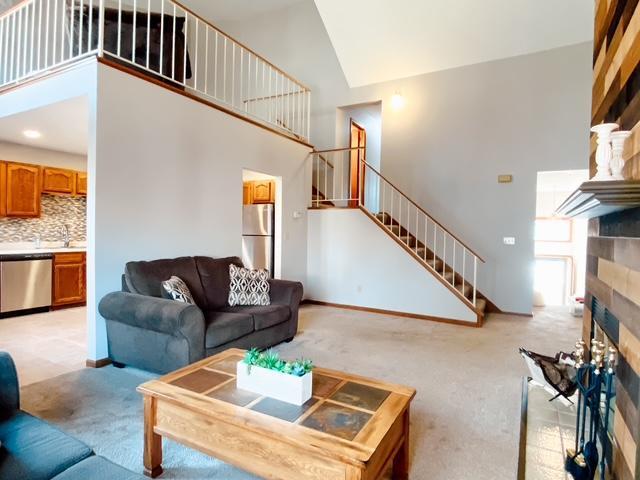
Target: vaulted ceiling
234, 10
379, 40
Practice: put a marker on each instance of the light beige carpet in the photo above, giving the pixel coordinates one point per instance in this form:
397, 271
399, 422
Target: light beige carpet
465, 416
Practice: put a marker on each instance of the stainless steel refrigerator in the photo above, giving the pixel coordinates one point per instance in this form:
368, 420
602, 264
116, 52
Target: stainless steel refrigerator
257, 236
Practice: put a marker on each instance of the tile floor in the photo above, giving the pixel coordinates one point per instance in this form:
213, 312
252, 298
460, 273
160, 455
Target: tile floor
46, 345
551, 428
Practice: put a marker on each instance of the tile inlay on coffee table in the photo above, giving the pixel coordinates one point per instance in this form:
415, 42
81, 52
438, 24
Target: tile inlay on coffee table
324, 385
346, 429
361, 396
283, 410
231, 394
337, 420
227, 365
201, 380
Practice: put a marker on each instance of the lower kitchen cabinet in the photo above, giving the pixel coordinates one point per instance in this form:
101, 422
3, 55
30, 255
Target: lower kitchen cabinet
69, 279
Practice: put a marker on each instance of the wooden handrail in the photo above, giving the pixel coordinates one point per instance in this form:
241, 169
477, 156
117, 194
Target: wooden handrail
191, 12
326, 161
338, 150
271, 97
318, 152
14, 8
19, 5
423, 211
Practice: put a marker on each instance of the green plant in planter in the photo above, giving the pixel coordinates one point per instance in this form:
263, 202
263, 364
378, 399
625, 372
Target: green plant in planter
271, 360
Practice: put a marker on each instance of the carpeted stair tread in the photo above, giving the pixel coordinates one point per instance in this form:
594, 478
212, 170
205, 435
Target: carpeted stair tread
481, 304
408, 240
464, 289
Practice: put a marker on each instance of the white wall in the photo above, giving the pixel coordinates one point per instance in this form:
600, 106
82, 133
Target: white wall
16, 152
460, 128
168, 181
351, 261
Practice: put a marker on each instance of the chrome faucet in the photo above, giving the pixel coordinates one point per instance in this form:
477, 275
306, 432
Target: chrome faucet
65, 235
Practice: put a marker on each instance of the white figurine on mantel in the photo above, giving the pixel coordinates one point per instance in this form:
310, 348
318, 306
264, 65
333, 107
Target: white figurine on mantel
617, 149
603, 152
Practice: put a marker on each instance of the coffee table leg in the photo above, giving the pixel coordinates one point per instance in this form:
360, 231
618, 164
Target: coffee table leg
401, 460
152, 441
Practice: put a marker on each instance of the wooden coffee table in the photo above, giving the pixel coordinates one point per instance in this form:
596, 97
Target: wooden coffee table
351, 429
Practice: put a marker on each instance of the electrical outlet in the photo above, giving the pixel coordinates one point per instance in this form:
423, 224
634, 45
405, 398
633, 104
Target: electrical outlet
509, 240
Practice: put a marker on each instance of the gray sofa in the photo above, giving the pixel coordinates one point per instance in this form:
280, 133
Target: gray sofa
31, 449
149, 332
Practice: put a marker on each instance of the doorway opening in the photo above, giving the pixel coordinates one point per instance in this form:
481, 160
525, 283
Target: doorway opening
360, 126
560, 242
261, 221
43, 239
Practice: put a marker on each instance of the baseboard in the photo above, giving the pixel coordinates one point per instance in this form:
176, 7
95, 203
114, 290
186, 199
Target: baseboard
516, 314
102, 362
451, 321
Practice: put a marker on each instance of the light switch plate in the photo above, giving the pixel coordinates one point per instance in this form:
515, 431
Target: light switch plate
509, 240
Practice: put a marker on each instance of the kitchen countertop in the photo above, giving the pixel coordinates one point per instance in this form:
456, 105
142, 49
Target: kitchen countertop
46, 247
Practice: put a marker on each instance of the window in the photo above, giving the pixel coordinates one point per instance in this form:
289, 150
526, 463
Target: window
553, 230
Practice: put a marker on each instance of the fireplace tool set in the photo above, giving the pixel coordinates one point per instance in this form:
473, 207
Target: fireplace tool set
595, 384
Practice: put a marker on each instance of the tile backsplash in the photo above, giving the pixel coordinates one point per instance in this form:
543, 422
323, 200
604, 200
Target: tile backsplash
56, 210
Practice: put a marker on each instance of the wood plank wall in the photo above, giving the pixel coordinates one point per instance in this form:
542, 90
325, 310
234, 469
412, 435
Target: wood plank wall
616, 76
613, 248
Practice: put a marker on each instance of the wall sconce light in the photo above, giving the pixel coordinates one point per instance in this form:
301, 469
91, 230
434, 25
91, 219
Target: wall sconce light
397, 101
31, 133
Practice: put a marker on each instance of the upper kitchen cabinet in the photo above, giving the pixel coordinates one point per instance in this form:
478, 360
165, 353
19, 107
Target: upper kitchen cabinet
81, 183
3, 189
247, 192
263, 191
58, 180
21, 190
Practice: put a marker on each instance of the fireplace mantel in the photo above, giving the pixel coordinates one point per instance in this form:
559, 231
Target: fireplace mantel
594, 199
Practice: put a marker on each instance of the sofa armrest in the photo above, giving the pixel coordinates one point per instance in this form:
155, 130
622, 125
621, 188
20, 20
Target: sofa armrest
9, 387
157, 314
285, 292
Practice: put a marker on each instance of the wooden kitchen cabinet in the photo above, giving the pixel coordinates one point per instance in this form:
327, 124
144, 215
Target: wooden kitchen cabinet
247, 193
58, 180
3, 189
81, 183
69, 279
263, 191
23, 190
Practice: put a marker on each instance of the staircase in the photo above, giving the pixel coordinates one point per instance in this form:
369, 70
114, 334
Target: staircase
440, 252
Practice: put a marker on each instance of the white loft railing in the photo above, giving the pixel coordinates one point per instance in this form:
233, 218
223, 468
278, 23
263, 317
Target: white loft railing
333, 184
161, 38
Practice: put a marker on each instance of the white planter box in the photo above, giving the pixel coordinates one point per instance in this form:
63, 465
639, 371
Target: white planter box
281, 386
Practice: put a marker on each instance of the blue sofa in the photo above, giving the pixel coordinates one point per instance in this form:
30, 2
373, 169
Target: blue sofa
31, 449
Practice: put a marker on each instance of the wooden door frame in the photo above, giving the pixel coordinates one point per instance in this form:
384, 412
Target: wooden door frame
356, 157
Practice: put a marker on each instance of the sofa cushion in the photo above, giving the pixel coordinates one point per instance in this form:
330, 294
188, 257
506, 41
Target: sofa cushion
263, 316
248, 287
223, 327
176, 289
97, 468
214, 274
33, 449
146, 278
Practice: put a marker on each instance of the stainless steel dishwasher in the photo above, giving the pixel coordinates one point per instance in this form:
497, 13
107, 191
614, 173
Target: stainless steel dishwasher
25, 281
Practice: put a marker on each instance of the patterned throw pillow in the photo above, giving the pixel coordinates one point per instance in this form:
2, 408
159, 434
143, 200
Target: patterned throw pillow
176, 289
248, 287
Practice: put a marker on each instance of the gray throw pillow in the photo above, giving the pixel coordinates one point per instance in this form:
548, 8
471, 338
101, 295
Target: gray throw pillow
248, 287
176, 289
